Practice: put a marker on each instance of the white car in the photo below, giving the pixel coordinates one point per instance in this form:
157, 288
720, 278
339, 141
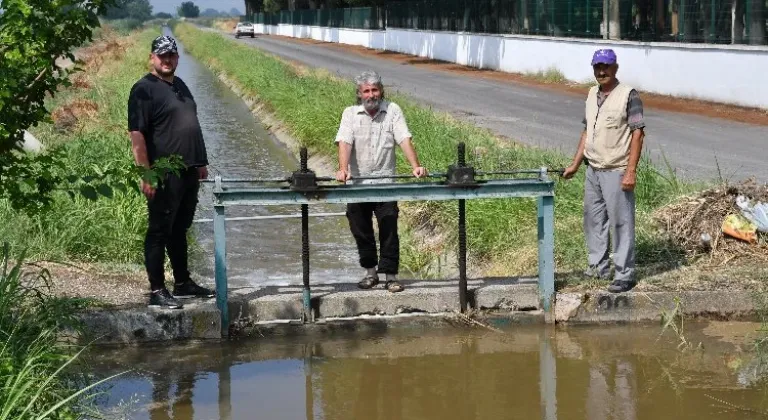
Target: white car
244, 29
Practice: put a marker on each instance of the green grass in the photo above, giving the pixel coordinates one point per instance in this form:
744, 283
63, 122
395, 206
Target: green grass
501, 233
551, 75
39, 377
107, 230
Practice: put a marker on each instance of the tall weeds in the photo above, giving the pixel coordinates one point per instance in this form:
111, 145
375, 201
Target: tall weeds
107, 230
36, 375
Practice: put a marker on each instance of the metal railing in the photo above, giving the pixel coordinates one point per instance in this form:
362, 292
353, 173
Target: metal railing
459, 183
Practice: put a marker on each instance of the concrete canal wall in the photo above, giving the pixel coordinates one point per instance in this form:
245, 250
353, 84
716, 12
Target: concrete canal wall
265, 311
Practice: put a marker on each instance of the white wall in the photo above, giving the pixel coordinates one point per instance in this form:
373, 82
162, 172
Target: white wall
362, 37
728, 74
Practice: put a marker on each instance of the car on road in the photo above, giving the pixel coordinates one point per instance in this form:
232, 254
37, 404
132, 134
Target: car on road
244, 29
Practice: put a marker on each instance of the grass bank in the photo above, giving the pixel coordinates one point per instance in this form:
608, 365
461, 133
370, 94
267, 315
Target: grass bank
501, 233
40, 373
89, 123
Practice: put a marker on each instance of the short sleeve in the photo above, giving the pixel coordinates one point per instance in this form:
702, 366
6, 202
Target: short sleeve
139, 108
345, 133
635, 117
399, 126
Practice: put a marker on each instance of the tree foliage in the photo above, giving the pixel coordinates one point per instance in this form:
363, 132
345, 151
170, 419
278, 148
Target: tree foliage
140, 10
34, 34
188, 9
163, 15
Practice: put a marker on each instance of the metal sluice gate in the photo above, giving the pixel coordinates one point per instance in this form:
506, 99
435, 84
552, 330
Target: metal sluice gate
460, 182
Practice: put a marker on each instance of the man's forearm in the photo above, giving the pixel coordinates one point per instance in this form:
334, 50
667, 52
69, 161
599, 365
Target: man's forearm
410, 153
345, 150
579, 156
635, 148
139, 147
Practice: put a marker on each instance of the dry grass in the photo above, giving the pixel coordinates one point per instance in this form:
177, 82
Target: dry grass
226, 25
687, 219
69, 116
110, 47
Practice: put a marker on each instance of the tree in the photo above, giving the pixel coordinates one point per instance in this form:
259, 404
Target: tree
210, 13
272, 6
140, 10
33, 35
163, 15
188, 9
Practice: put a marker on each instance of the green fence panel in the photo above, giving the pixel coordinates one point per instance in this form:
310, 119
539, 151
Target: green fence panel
700, 21
697, 21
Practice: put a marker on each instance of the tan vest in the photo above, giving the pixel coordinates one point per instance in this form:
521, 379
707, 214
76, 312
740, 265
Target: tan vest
608, 134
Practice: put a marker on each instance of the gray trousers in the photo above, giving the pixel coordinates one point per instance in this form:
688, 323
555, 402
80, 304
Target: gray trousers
608, 208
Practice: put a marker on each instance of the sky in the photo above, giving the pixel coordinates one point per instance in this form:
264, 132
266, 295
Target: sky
169, 6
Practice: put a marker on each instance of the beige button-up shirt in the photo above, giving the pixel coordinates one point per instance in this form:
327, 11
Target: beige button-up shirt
373, 139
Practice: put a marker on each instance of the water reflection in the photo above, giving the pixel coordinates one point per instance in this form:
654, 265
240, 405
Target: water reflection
597, 374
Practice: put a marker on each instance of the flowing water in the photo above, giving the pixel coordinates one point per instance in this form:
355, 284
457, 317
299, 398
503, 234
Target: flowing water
259, 252
594, 373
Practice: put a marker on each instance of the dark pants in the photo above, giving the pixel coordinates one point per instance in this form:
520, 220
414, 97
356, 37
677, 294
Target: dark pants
171, 212
361, 224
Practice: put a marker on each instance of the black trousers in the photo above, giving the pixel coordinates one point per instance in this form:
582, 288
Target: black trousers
361, 224
170, 212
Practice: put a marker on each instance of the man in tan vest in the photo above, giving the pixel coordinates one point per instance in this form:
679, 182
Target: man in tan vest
610, 147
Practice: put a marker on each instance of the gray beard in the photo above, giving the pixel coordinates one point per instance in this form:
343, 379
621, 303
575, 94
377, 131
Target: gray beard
371, 105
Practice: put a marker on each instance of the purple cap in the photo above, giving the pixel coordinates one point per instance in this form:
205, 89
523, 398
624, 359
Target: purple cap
606, 56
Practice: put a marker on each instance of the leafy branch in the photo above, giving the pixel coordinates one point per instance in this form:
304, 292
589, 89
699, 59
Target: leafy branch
33, 35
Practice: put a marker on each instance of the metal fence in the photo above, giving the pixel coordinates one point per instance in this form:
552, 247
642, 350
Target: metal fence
353, 17
698, 21
707, 21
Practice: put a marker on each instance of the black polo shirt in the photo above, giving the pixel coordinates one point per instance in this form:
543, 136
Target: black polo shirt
166, 113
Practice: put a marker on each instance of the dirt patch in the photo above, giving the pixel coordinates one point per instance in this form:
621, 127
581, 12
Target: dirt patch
702, 276
113, 287
695, 224
650, 100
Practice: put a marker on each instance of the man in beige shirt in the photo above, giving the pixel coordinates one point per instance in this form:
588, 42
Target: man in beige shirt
367, 136
610, 147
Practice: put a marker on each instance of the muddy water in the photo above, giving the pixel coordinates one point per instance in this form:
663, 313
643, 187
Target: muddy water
607, 372
263, 251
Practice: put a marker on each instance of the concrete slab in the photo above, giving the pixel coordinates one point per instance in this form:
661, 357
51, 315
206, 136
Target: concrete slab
197, 320
638, 307
512, 297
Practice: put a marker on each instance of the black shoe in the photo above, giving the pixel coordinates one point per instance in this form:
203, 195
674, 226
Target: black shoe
163, 299
620, 286
190, 289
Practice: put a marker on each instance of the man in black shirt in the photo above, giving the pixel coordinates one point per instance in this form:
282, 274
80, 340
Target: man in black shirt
162, 120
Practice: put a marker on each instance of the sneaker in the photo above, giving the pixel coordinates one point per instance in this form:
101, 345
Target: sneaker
190, 289
163, 298
621, 286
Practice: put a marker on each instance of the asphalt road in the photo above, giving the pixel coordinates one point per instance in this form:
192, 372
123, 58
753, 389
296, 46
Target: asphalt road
693, 145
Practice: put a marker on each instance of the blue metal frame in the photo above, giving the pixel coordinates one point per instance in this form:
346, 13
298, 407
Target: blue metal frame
542, 188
